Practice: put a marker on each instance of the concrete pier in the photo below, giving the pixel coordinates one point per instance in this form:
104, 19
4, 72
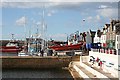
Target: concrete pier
35, 62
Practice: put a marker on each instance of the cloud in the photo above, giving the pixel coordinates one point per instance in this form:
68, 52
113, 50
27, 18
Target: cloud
38, 23
90, 18
21, 21
22, 4
103, 6
51, 12
93, 19
36, 4
49, 3
60, 1
97, 17
25, 0
109, 12
58, 36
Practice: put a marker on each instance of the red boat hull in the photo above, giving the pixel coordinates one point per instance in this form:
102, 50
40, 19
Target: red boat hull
13, 49
66, 47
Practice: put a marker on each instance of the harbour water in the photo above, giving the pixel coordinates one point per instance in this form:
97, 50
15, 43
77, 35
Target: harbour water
34, 73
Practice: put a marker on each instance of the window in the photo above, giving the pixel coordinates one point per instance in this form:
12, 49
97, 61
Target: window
117, 38
108, 30
110, 37
118, 51
117, 46
114, 28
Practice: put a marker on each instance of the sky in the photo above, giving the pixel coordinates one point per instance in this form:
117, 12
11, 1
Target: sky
60, 18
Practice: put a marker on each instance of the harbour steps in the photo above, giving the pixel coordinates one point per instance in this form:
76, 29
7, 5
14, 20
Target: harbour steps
93, 73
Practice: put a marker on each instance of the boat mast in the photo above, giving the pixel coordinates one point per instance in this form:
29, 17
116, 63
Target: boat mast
12, 37
25, 27
43, 29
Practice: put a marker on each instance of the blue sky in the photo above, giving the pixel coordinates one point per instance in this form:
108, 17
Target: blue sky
62, 18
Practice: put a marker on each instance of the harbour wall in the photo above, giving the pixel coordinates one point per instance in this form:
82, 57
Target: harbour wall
35, 62
110, 62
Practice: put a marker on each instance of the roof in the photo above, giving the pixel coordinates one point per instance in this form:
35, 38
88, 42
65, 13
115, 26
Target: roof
108, 25
99, 33
117, 24
117, 28
92, 33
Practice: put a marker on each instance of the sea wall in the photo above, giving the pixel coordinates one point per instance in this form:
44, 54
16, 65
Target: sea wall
111, 62
35, 62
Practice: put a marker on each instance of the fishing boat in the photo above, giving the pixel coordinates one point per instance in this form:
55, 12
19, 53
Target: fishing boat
74, 42
67, 47
11, 47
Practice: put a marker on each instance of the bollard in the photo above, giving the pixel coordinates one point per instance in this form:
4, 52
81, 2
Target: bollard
114, 52
106, 51
110, 51
101, 50
100, 64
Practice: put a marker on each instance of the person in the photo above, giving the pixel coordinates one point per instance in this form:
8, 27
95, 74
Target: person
92, 59
97, 60
84, 46
100, 64
88, 41
84, 36
42, 52
81, 37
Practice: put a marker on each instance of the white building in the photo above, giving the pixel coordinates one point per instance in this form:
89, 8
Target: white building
117, 43
117, 37
103, 40
97, 39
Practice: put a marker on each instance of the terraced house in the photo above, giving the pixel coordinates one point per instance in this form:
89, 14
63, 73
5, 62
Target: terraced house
110, 36
117, 37
112, 32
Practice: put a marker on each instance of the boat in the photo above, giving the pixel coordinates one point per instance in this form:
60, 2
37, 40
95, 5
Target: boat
67, 47
11, 47
22, 54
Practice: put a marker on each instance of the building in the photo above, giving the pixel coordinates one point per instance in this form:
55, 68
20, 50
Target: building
110, 40
92, 33
103, 36
117, 37
110, 37
103, 41
97, 38
111, 34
